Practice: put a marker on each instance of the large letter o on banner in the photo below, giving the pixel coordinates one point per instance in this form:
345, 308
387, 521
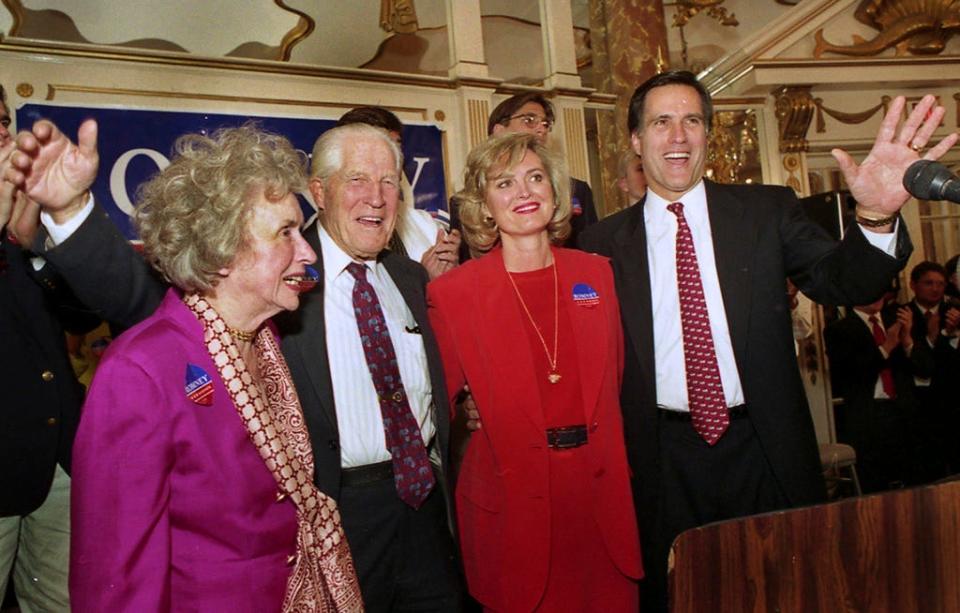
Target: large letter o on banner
118, 176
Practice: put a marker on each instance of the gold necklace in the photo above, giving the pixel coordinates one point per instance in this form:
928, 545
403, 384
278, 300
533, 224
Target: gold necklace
553, 376
242, 335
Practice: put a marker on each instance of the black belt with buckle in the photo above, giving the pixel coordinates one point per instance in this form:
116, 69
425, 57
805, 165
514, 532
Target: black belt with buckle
366, 474
566, 437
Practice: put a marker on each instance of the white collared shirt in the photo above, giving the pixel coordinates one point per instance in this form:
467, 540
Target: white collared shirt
661, 227
358, 410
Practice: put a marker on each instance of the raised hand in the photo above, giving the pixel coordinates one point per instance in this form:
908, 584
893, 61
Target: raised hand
905, 319
53, 171
877, 182
443, 255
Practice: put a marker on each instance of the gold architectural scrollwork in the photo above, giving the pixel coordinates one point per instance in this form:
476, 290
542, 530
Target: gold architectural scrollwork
791, 163
794, 110
732, 156
688, 9
304, 27
398, 16
919, 27
16, 11
24, 90
847, 118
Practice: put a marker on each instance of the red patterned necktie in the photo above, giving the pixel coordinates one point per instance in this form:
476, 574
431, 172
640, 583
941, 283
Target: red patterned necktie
412, 472
886, 374
708, 407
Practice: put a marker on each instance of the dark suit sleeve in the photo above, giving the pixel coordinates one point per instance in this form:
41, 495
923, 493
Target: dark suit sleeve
849, 272
106, 273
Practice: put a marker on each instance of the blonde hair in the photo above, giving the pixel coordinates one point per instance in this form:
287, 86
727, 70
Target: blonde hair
192, 216
492, 156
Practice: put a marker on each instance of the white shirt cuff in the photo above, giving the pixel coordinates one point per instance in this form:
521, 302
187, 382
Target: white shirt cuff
886, 243
61, 232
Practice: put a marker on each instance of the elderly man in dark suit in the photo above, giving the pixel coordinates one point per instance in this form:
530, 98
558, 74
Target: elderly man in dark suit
395, 519
715, 416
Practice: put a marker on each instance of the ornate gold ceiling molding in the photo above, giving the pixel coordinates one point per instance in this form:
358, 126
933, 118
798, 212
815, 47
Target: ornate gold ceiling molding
305, 25
794, 109
920, 27
847, 118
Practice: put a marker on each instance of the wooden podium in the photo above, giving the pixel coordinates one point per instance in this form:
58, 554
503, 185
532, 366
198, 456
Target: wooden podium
896, 552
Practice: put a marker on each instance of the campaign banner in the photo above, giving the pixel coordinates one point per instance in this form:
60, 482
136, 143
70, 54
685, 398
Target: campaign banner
134, 144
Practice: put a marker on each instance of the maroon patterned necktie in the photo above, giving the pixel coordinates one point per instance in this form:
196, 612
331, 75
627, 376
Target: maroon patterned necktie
412, 472
708, 408
886, 374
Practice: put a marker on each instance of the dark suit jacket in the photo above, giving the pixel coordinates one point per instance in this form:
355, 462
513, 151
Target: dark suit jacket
41, 404
584, 212
106, 274
946, 358
760, 237
856, 362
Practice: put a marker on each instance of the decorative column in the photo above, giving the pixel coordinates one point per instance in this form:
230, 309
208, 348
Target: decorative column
794, 110
629, 39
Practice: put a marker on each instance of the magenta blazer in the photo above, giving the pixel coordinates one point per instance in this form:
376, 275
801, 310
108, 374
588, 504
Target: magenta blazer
173, 508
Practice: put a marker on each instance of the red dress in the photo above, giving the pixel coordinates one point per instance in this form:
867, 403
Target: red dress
540, 529
581, 576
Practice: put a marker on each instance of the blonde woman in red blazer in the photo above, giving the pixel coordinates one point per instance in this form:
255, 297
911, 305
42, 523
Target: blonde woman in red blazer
543, 497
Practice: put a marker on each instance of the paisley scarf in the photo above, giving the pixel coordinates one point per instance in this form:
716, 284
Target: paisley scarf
323, 577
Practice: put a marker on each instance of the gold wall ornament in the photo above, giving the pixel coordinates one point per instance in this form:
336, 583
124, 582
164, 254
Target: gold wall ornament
847, 118
398, 16
297, 33
919, 27
24, 90
733, 154
792, 163
688, 9
794, 110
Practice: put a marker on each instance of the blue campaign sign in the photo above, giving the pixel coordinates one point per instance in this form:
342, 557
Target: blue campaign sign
135, 144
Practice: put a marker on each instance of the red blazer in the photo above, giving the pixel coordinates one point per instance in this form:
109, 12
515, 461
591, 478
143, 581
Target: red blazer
502, 489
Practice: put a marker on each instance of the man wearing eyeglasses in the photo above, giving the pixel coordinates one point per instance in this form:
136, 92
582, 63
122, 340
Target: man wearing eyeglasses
531, 113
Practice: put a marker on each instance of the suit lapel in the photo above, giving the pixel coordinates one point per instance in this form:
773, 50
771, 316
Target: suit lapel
312, 345
590, 333
733, 246
633, 278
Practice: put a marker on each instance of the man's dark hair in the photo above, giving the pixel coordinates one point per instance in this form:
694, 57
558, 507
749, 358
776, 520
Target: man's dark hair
508, 108
671, 77
927, 266
376, 116
3, 97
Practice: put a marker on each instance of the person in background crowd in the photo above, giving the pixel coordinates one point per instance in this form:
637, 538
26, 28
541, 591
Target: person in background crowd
935, 324
953, 283
193, 486
531, 113
388, 483
631, 179
715, 414
872, 365
40, 408
543, 496
418, 235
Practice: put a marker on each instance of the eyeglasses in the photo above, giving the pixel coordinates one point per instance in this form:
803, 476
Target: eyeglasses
532, 121
5, 122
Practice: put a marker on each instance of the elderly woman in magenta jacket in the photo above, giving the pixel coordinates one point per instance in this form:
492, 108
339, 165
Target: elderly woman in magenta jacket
545, 512
192, 468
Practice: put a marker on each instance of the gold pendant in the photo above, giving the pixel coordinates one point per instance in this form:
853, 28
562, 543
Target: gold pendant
553, 377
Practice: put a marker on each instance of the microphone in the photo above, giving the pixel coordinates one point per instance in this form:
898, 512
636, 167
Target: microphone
929, 180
